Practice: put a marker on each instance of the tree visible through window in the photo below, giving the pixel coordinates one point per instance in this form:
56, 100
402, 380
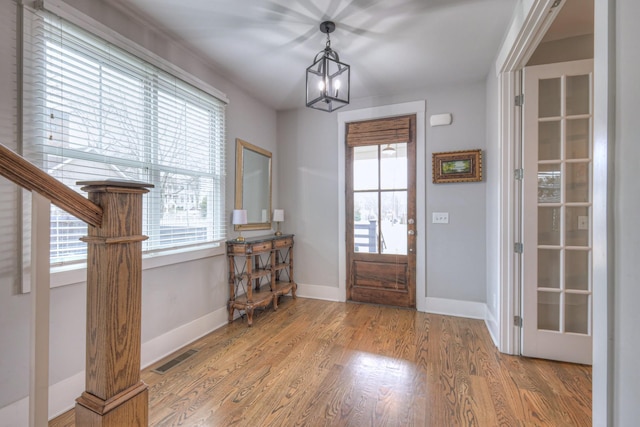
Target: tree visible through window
95, 112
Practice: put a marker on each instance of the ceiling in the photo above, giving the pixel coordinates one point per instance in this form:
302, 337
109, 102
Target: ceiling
393, 46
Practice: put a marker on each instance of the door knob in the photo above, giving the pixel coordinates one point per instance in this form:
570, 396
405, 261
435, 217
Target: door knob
411, 232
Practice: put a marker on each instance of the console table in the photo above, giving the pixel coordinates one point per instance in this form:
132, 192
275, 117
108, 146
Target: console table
260, 271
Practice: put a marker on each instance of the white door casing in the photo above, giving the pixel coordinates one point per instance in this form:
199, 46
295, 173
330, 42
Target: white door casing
557, 212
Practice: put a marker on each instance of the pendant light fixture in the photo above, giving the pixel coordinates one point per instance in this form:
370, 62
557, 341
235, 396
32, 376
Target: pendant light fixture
328, 79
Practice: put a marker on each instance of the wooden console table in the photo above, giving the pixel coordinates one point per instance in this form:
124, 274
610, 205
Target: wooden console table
262, 267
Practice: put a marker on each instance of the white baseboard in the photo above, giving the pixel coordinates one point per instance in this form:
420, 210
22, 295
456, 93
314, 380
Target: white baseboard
63, 394
15, 414
451, 307
328, 293
160, 347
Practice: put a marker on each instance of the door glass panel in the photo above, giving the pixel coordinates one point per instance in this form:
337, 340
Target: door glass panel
393, 223
365, 222
576, 270
549, 226
549, 311
365, 167
549, 183
577, 226
548, 268
393, 173
576, 313
577, 95
549, 140
578, 138
549, 97
577, 181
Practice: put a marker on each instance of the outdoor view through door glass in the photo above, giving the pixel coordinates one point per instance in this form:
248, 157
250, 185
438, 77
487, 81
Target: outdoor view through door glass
380, 199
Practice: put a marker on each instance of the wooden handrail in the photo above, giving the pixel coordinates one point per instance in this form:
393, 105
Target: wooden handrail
17, 169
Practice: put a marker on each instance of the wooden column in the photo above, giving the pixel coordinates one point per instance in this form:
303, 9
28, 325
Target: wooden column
114, 395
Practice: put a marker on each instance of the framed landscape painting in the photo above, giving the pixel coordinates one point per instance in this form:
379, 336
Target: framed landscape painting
457, 166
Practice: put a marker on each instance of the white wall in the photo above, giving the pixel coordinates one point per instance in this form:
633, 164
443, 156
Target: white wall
308, 152
627, 206
184, 297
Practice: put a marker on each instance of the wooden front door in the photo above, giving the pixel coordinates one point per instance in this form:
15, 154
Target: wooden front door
381, 211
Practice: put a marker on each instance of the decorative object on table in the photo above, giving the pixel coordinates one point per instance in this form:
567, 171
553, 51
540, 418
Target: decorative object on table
278, 217
328, 79
457, 166
239, 218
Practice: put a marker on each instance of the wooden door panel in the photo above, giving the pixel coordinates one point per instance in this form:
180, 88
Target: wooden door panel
380, 275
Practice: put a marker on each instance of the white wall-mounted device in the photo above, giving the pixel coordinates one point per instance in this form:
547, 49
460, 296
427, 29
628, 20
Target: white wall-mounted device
440, 119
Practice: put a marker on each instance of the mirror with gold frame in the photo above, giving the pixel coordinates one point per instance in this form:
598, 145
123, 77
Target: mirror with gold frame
253, 185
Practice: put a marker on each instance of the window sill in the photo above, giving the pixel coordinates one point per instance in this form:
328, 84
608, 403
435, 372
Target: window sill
77, 273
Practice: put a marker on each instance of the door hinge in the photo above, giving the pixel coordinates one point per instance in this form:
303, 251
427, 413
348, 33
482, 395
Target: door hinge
519, 100
519, 174
517, 321
518, 247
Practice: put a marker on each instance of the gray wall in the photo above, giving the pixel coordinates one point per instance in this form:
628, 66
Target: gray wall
308, 184
627, 206
173, 295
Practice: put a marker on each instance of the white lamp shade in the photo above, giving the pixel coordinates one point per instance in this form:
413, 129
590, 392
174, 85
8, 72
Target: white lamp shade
239, 217
278, 215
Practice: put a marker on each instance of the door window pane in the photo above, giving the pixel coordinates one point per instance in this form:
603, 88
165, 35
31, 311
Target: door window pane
394, 167
549, 183
549, 311
548, 268
549, 97
577, 226
577, 182
393, 223
549, 226
577, 95
549, 140
576, 313
365, 167
576, 269
365, 222
578, 138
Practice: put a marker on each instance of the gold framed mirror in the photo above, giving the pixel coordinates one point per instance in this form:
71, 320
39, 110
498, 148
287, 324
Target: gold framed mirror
253, 185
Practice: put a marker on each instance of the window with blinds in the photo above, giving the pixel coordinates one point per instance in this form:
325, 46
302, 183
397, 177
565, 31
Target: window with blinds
93, 111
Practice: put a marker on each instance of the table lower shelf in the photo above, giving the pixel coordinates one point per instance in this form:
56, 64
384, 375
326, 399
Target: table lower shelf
260, 298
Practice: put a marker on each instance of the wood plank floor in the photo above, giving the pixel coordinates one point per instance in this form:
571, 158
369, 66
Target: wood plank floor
319, 363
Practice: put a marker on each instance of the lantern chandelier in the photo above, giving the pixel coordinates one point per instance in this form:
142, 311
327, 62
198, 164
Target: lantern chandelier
328, 79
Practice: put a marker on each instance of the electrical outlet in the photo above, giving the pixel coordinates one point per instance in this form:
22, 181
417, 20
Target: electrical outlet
440, 218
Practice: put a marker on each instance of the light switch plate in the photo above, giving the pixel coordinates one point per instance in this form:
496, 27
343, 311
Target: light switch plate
440, 217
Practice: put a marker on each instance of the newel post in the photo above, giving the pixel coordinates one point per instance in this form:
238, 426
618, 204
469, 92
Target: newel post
114, 394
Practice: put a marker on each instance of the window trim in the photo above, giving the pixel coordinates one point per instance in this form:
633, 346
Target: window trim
77, 273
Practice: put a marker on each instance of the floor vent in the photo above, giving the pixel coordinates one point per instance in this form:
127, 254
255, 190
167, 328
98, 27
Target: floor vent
174, 362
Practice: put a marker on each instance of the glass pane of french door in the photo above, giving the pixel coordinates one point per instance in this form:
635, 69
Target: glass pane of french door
564, 204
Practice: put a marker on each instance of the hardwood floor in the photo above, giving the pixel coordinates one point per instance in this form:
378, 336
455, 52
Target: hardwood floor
319, 363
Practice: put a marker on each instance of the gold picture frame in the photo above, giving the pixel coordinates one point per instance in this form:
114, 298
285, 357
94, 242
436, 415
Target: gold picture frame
457, 166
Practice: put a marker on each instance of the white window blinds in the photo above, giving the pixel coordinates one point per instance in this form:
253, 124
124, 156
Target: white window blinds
92, 111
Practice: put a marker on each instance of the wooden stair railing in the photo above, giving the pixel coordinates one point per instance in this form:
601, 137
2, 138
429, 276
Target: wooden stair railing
114, 395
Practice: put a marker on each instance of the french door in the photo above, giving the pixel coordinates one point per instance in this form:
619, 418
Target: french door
381, 211
557, 211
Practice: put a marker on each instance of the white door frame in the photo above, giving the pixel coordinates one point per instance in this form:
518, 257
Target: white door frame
408, 108
531, 20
